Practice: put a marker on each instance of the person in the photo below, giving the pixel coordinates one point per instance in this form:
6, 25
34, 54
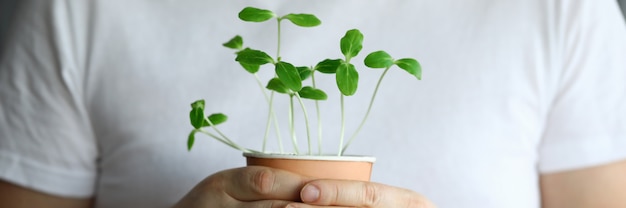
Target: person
521, 104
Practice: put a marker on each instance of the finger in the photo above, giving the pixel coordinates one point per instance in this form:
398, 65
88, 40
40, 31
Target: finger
263, 204
360, 194
302, 205
259, 183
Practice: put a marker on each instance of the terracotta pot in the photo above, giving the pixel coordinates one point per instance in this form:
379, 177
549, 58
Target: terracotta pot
318, 166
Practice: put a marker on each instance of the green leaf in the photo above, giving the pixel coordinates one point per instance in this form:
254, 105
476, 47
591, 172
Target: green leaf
347, 79
251, 14
234, 43
351, 43
378, 59
252, 68
191, 139
410, 65
196, 115
312, 93
289, 75
303, 20
328, 66
253, 57
216, 118
276, 85
305, 72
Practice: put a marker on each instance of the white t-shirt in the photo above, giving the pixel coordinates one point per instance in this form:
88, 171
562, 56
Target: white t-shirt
95, 94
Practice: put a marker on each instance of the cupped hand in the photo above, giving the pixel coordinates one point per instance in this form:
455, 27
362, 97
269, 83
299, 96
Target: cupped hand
248, 187
342, 193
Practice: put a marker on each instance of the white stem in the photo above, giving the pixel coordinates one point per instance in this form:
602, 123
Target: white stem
367, 113
258, 82
306, 121
218, 131
319, 119
269, 116
294, 140
276, 127
343, 126
229, 143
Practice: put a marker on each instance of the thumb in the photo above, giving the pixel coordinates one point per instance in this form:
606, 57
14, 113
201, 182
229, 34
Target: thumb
360, 194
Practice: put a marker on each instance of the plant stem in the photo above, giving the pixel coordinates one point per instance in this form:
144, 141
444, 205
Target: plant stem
319, 119
306, 121
269, 116
280, 139
343, 126
278, 133
272, 117
267, 130
218, 131
278, 41
229, 143
367, 113
258, 81
292, 125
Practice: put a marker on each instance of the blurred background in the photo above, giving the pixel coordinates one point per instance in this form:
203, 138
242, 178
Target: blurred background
8, 6
6, 11
622, 3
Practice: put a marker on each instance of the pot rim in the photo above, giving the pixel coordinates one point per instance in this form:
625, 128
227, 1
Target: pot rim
326, 157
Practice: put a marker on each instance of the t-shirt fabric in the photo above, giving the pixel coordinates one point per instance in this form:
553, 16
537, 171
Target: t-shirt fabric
95, 95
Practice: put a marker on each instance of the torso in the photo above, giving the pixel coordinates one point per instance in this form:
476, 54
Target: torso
464, 136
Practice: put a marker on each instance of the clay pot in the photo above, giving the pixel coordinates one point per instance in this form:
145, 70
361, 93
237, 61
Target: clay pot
318, 166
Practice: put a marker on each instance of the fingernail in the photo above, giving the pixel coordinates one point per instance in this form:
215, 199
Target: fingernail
291, 206
310, 193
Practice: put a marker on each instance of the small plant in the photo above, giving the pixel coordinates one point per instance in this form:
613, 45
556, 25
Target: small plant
288, 80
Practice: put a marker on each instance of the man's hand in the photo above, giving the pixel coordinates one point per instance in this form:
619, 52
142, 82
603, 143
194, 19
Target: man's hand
341, 193
246, 187
272, 188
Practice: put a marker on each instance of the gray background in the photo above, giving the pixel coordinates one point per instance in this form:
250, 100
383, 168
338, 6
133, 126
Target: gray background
6, 10
623, 5
8, 6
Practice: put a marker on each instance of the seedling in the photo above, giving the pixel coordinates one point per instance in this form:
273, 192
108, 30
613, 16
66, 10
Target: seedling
289, 80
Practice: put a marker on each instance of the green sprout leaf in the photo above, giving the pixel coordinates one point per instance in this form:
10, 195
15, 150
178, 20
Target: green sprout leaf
347, 79
216, 118
351, 43
251, 14
328, 66
410, 65
379, 59
196, 115
234, 43
191, 139
312, 93
252, 68
288, 74
253, 57
305, 72
303, 20
276, 85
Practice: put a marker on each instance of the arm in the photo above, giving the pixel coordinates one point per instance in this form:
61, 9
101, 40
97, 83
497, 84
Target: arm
601, 186
46, 139
586, 122
18, 197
